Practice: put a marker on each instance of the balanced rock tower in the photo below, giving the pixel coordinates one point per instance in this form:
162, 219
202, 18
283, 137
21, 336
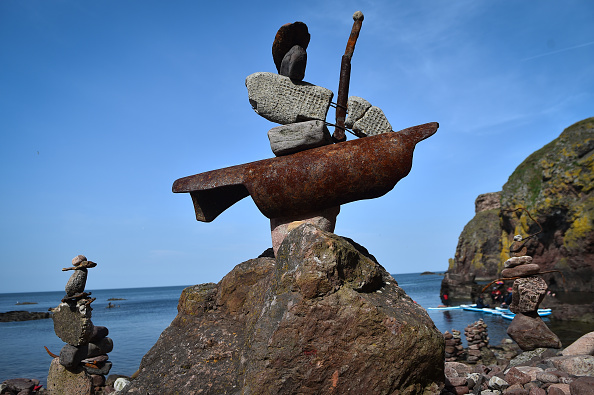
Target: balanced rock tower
83, 362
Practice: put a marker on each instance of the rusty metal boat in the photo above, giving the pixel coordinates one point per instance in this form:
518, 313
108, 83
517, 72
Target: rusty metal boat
311, 180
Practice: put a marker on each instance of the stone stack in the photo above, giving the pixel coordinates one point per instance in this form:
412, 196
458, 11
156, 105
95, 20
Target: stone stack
301, 108
527, 328
477, 338
83, 361
454, 350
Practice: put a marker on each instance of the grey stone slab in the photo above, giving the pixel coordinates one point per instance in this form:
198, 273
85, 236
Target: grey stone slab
281, 100
295, 137
372, 123
356, 107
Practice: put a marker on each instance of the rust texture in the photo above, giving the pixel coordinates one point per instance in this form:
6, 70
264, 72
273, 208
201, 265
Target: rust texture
310, 180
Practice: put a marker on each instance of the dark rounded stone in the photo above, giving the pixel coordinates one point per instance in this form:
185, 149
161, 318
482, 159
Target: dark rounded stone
98, 380
582, 386
289, 35
71, 356
294, 63
103, 346
18, 385
76, 283
99, 332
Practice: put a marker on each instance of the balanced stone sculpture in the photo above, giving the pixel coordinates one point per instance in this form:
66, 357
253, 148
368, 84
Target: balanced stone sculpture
527, 329
310, 177
83, 361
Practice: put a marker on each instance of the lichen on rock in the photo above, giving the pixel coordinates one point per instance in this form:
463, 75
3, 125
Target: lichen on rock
555, 185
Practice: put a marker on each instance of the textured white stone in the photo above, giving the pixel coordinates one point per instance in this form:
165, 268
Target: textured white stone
281, 100
372, 123
356, 107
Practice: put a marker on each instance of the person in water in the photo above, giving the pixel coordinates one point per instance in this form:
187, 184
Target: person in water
508, 298
480, 303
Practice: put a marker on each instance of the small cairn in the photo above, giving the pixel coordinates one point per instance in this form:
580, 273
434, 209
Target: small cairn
527, 329
83, 363
477, 338
454, 350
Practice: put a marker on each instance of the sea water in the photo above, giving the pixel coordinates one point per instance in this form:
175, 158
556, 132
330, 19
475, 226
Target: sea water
137, 321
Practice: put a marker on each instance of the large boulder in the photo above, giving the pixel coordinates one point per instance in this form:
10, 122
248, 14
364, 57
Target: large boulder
324, 317
555, 184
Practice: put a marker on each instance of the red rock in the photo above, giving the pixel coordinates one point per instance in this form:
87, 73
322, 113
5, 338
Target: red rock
525, 270
461, 390
323, 316
559, 389
514, 376
456, 381
516, 389
582, 386
77, 260
537, 391
530, 332
527, 294
98, 380
582, 346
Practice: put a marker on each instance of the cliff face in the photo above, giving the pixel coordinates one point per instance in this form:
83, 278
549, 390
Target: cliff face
555, 185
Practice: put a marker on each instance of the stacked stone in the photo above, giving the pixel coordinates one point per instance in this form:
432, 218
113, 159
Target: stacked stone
83, 362
527, 329
454, 350
477, 338
301, 108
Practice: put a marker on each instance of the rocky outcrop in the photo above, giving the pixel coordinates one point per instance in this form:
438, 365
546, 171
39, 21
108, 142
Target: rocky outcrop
23, 316
323, 317
555, 185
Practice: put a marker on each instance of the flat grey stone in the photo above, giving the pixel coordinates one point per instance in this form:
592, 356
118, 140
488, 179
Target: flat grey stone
356, 107
295, 137
72, 323
76, 283
525, 270
517, 261
281, 100
372, 123
102, 370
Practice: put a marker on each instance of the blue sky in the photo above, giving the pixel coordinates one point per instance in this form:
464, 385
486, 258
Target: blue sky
103, 104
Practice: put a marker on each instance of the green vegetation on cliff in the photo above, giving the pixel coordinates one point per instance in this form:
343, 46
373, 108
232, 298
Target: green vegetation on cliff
555, 185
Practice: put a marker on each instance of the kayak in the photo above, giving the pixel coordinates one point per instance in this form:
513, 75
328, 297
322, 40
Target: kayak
445, 308
510, 316
505, 313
